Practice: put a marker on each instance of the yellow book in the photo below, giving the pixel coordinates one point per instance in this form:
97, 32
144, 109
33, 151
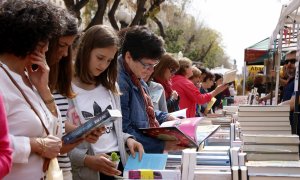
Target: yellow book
210, 104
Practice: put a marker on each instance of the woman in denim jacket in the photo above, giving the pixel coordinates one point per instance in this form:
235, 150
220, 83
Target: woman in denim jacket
140, 52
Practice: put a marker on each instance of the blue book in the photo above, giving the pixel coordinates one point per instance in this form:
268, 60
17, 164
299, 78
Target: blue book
102, 119
149, 161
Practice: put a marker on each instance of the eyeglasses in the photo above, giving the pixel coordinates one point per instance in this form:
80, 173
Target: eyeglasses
148, 66
292, 61
172, 70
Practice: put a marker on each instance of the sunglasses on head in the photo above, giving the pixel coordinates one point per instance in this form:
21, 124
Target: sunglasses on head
292, 61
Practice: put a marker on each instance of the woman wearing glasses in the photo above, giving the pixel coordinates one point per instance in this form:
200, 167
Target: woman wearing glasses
140, 52
162, 74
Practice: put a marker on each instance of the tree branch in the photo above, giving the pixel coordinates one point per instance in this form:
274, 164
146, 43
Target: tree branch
139, 12
98, 18
160, 26
205, 52
111, 15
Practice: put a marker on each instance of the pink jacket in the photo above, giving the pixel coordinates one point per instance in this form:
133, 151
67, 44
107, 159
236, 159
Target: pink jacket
5, 151
189, 94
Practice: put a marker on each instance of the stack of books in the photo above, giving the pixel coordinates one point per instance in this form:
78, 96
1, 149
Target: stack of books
261, 147
271, 157
273, 170
213, 162
264, 119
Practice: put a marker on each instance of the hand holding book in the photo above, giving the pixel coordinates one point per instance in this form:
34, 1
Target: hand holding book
94, 135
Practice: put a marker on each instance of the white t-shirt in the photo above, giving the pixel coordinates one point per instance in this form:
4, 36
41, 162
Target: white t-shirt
91, 102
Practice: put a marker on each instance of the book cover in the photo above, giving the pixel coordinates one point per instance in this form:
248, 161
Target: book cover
149, 161
152, 174
265, 123
263, 108
276, 168
266, 128
263, 118
265, 132
229, 76
272, 156
271, 148
270, 139
182, 131
210, 104
264, 113
106, 117
274, 177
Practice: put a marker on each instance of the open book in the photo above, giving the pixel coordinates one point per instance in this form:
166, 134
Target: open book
229, 76
101, 119
182, 131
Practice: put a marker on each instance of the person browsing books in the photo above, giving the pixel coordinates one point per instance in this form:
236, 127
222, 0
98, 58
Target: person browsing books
96, 90
140, 53
162, 74
157, 94
59, 59
188, 92
26, 27
207, 83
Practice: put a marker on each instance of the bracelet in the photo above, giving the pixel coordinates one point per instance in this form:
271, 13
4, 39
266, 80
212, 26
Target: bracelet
42, 144
49, 101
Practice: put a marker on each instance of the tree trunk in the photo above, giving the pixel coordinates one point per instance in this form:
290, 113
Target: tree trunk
111, 15
160, 26
76, 7
139, 12
188, 44
205, 52
152, 12
98, 18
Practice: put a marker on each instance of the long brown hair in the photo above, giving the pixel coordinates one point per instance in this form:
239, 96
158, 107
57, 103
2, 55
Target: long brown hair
98, 36
166, 61
61, 71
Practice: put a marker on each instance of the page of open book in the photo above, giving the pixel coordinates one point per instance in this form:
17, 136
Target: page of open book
229, 76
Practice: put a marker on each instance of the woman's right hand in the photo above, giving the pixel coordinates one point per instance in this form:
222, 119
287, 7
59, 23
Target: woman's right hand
102, 164
174, 95
47, 147
52, 146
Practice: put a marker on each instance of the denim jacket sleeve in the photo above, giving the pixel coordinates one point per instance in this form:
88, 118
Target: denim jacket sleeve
131, 125
161, 116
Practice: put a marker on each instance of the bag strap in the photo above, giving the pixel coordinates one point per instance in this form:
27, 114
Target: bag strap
46, 161
25, 96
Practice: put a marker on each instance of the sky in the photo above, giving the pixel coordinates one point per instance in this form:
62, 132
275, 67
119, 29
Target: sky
241, 23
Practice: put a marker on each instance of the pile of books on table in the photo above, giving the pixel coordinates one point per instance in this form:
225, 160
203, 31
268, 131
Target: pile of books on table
213, 162
271, 157
264, 119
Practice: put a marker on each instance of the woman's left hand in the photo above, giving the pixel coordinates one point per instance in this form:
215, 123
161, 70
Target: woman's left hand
134, 145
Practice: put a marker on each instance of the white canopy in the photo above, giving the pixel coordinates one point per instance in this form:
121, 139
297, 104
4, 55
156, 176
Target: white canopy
220, 70
285, 34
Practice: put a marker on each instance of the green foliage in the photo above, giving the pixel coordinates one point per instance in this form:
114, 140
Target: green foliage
173, 42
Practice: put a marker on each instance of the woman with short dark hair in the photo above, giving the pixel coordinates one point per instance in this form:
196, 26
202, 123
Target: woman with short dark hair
26, 27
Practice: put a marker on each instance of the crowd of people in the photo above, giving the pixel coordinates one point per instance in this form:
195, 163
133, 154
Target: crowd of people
54, 78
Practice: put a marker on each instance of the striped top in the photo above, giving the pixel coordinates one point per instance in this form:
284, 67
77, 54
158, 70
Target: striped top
62, 104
